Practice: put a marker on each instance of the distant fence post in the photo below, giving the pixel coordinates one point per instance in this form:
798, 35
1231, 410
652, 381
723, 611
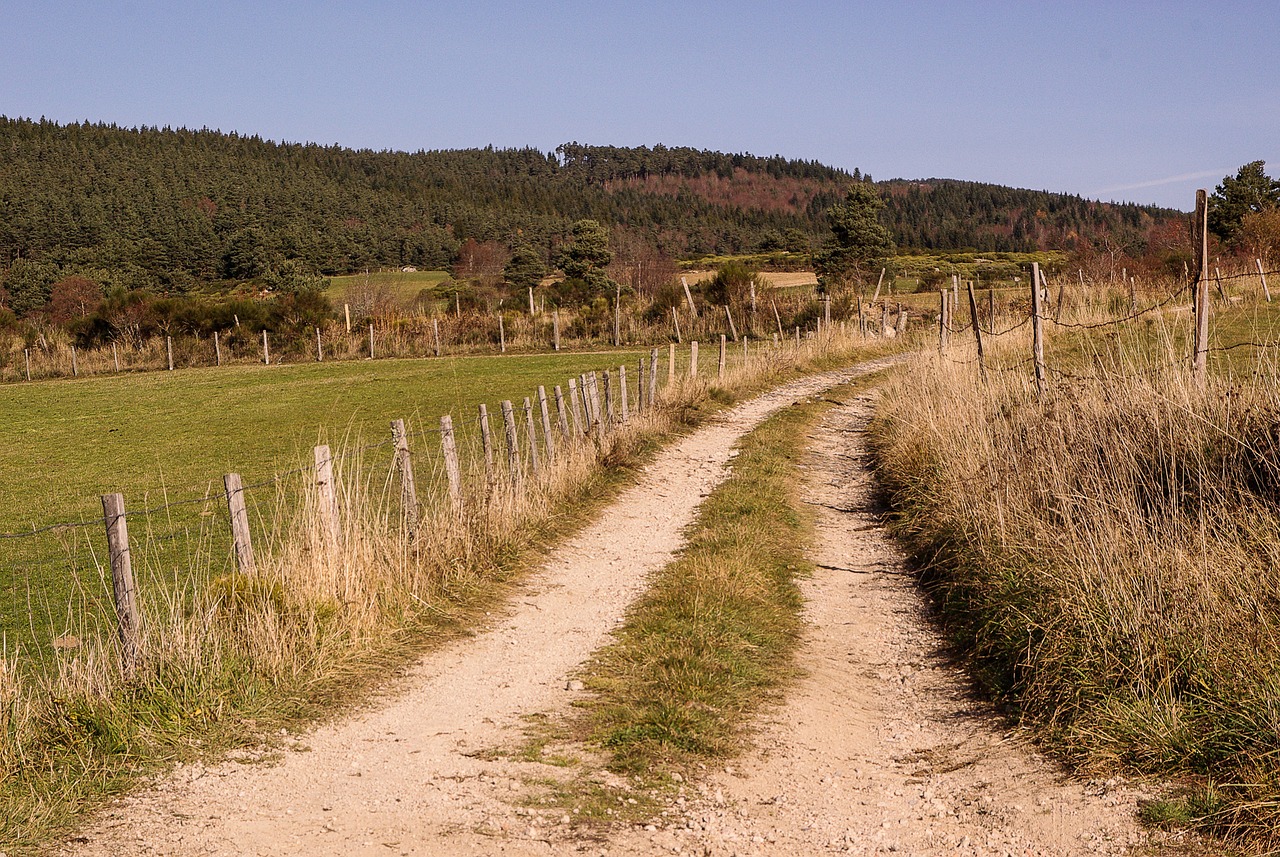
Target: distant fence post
435, 334
217, 350
1037, 331
513, 451
115, 356
404, 463
1200, 359
671, 363
26, 355
1263, 274
555, 329
693, 359
168, 350
693, 309
370, 340
720, 365
942, 321
319, 348
547, 438
642, 381
266, 352
327, 495
502, 335
777, 318
240, 538
75, 369
675, 318
451, 469
733, 328
535, 460
977, 330
123, 590
562, 420
486, 440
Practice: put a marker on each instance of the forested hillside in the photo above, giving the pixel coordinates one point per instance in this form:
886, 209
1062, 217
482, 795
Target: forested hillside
175, 210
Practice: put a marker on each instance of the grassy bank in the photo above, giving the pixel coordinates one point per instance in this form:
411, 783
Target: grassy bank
234, 657
1109, 556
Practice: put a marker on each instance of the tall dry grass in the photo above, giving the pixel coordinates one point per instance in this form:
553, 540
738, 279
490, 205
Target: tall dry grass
1110, 556
225, 655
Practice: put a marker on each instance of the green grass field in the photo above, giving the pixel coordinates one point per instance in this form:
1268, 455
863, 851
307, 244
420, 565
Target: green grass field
163, 437
403, 287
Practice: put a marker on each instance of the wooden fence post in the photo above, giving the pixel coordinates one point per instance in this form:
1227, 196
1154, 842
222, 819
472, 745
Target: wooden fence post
217, 350
1037, 331
513, 450
562, 419
129, 622
435, 335
777, 318
720, 365
241, 540
675, 317
588, 413
327, 495
486, 440
404, 463
642, 381
26, 355
622, 393
547, 438
1263, 274
609, 417
502, 335
266, 351
346, 311
555, 329
991, 308
617, 317
531, 312
1200, 359
733, 328
370, 340
168, 350
115, 357
693, 310
75, 368
319, 348
671, 363
942, 321
693, 359
575, 406
653, 374
451, 469
535, 460
977, 330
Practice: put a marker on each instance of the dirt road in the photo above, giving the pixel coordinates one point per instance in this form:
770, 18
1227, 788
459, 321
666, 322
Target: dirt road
877, 749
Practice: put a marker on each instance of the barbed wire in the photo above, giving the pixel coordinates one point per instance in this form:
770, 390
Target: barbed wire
1130, 317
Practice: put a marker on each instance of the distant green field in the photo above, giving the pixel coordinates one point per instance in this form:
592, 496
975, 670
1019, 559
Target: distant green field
401, 286
163, 437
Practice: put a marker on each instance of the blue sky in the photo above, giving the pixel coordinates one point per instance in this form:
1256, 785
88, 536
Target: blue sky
1143, 101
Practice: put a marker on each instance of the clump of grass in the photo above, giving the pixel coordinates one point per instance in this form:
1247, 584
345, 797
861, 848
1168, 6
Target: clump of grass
1108, 556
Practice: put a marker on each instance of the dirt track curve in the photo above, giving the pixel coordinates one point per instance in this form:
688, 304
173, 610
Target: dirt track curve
877, 750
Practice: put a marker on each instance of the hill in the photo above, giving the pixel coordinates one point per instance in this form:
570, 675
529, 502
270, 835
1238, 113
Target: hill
173, 210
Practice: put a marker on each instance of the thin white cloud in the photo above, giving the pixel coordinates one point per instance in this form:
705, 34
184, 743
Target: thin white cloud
1184, 177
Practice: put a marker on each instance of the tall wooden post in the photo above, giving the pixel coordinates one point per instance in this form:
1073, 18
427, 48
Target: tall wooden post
531, 311
241, 540
617, 317
777, 318
733, 328
453, 473
129, 622
26, 355
319, 348
977, 331
327, 495
693, 359
1037, 331
168, 350
266, 351
370, 340
547, 438
693, 310
346, 312
1200, 358
404, 463
513, 450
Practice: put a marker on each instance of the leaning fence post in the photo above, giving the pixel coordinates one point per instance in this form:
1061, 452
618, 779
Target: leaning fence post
328, 495
733, 328
1263, 275
486, 440
240, 538
1037, 330
548, 440
122, 585
404, 462
513, 451
451, 469
575, 405
534, 458
562, 420
977, 330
